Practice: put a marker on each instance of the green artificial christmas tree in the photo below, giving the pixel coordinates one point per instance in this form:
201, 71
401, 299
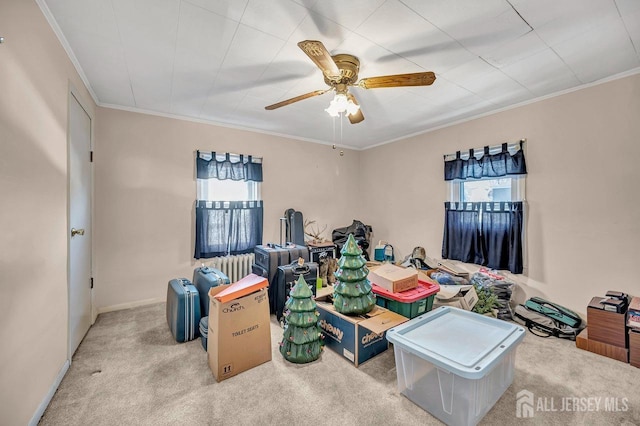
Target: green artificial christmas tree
352, 293
302, 341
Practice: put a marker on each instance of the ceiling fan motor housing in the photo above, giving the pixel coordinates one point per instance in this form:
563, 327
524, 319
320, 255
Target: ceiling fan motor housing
349, 66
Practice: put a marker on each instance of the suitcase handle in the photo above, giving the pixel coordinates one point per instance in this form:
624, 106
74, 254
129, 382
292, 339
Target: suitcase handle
300, 269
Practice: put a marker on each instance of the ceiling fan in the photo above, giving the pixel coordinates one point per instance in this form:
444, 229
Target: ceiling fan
341, 71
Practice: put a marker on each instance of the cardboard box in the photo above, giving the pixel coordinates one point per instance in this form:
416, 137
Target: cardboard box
239, 334
634, 347
633, 313
357, 338
457, 296
394, 278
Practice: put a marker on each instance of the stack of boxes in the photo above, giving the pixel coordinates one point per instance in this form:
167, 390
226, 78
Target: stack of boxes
607, 333
404, 291
633, 323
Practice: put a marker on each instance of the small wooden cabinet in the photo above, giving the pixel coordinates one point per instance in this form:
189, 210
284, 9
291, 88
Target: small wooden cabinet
607, 327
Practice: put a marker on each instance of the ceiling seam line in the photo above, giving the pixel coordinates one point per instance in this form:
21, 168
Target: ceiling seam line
518, 13
624, 24
175, 50
224, 58
124, 54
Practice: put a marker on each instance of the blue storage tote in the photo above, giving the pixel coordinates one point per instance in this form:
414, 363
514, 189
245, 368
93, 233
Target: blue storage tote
455, 364
409, 303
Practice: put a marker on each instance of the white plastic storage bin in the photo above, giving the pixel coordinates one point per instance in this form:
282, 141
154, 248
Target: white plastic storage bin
455, 364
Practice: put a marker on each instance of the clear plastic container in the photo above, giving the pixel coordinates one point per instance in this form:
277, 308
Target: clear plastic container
455, 364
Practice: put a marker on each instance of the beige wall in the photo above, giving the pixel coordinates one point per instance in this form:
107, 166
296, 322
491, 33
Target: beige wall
584, 215
145, 190
35, 74
582, 230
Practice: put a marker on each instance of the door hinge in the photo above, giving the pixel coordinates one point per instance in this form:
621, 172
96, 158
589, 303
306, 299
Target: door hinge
91, 156
91, 282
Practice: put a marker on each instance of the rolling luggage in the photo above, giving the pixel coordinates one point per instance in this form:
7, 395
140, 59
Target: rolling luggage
183, 309
204, 331
270, 256
203, 279
286, 279
260, 271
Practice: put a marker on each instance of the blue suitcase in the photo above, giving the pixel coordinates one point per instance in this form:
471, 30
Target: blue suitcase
204, 331
183, 309
203, 279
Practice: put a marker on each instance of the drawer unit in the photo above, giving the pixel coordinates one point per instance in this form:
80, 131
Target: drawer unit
607, 327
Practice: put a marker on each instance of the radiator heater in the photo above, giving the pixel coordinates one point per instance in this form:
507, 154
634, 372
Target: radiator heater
236, 266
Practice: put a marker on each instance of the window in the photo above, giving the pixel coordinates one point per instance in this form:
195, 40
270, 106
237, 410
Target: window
508, 188
228, 190
229, 211
484, 211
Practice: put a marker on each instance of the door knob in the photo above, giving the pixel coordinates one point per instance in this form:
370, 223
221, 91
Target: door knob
75, 232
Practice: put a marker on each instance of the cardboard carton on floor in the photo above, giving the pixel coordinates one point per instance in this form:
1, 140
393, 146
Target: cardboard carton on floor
357, 338
459, 296
633, 313
239, 328
394, 278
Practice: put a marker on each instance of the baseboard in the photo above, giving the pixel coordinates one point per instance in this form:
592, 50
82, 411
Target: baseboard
129, 305
47, 399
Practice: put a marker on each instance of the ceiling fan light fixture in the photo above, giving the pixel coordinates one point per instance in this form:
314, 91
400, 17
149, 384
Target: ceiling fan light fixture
341, 103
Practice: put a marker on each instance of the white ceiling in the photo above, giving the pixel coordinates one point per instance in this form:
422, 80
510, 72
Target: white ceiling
224, 61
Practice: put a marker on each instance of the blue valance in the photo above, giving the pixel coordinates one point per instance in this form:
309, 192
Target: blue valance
489, 165
228, 166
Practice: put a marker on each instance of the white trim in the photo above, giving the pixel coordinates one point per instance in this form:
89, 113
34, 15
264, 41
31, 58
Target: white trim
67, 48
222, 124
129, 305
47, 398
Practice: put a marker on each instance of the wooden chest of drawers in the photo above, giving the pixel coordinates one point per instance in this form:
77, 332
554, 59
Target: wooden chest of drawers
607, 327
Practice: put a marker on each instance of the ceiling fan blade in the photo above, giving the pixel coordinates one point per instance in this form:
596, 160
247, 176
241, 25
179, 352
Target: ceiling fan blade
398, 80
296, 99
321, 57
357, 117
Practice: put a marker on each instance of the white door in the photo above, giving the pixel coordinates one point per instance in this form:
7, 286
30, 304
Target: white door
79, 224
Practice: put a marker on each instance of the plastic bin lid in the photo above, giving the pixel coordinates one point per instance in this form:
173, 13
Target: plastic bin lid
459, 341
424, 290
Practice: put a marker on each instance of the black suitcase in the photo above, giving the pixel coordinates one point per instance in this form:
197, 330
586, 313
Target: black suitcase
260, 271
270, 257
286, 279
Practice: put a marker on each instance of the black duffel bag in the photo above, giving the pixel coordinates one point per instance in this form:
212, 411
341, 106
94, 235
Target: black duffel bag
361, 233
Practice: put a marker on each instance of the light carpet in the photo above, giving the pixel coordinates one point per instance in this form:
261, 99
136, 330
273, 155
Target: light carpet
129, 371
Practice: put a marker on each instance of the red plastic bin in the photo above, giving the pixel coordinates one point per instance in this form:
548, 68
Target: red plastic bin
410, 303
